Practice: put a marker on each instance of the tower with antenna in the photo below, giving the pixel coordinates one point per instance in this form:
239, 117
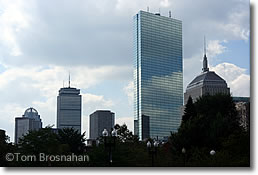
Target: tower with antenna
69, 102
208, 82
205, 60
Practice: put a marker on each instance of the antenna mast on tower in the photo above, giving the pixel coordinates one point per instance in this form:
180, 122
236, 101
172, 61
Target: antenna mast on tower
205, 60
204, 45
69, 79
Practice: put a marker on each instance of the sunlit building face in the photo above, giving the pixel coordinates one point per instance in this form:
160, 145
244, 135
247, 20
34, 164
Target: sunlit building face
158, 76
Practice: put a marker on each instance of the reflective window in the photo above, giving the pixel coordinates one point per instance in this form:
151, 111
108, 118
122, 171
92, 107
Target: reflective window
158, 78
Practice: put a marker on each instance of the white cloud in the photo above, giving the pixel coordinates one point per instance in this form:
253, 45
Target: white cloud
91, 103
129, 121
8, 112
215, 48
13, 20
164, 3
236, 77
236, 21
36, 87
100, 32
97, 74
241, 85
96, 102
85, 125
129, 90
192, 68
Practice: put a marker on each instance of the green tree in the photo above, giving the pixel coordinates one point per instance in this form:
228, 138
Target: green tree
5, 147
73, 139
128, 151
214, 126
43, 140
124, 134
46, 141
189, 111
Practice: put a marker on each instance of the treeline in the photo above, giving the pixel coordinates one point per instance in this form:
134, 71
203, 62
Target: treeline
210, 123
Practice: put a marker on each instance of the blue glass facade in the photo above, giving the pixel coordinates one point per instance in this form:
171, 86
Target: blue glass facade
158, 76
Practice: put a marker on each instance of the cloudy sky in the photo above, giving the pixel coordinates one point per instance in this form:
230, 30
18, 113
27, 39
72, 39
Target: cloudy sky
41, 41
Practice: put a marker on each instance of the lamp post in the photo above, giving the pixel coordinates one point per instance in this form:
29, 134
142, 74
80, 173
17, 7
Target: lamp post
109, 144
184, 152
212, 153
152, 150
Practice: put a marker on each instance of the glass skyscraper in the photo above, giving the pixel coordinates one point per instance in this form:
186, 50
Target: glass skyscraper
158, 76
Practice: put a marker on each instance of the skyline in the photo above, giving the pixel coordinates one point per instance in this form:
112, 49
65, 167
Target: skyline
42, 42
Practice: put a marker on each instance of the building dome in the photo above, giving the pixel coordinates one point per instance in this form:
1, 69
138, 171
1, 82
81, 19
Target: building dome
32, 114
207, 77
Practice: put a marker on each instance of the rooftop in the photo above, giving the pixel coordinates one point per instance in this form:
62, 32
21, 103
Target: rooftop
206, 77
31, 113
69, 90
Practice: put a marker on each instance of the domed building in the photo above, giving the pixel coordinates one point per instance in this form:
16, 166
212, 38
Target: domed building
208, 82
32, 114
30, 120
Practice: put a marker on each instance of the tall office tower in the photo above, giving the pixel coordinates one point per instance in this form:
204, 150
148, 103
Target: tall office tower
29, 121
100, 120
208, 82
69, 108
158, 76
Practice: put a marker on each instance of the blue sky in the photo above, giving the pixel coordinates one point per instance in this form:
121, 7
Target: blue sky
41, 41
240, 59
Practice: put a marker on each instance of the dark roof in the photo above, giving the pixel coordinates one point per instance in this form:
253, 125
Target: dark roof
207, 76
241, 99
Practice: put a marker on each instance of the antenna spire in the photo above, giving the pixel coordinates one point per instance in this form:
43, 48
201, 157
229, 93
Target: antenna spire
148, 9
69, 79
205, 60
204, 45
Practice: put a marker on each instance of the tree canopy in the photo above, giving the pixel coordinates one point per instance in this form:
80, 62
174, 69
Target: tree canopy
124, 134
210, 123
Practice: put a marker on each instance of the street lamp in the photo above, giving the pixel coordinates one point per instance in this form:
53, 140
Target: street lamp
184, 152
114, 133
152, 150
105, 133
109, 144
212, 152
